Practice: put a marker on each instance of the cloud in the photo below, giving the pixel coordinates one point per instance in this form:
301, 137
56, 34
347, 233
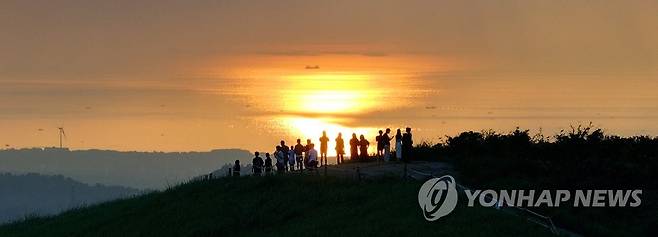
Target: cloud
322, 53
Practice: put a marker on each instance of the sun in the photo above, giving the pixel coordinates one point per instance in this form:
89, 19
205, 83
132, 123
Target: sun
336, 93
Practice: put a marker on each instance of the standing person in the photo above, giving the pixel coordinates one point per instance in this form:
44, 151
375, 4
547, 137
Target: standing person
299, 154
363, 146
380, 144
291, 158
236, 168
324, 142
340, 148
268, 164
354, 147
312, 157
277, 149
307, 147
280, 156
386, 140
407, 145
257, 164
398, 145
284, 152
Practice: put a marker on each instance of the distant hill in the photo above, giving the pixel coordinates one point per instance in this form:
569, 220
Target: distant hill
33, 194
143, 170
276, 206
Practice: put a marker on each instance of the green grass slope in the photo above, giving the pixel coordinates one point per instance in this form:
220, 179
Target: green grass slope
275, 206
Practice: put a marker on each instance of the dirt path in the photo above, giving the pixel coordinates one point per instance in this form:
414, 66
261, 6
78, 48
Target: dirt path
369, 170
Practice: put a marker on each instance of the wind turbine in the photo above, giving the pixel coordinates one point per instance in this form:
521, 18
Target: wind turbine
61, 133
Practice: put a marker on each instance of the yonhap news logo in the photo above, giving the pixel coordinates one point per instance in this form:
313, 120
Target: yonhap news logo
438, 197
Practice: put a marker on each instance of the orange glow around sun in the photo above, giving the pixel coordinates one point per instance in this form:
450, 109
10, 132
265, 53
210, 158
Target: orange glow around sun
284, 93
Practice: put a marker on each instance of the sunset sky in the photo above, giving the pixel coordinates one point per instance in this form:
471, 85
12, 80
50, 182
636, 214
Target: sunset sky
199, 75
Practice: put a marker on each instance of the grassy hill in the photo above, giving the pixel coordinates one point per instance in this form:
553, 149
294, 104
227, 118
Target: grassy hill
275, 206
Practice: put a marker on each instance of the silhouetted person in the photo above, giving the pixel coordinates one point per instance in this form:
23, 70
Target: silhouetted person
324, 143
407, 145
398, 144
354, 147
268, 164
284, 150
257, 164
363, 146
236, 168
386, 142
281, 157
291, 158
340, 148
312, 157
299, 154
380, 144
306, 148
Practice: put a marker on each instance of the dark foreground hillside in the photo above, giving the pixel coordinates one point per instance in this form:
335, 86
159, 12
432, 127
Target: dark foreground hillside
276, 206
580, 159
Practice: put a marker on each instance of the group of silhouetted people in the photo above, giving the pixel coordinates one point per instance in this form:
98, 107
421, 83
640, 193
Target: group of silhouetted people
300, 157
403, 145
359, 146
